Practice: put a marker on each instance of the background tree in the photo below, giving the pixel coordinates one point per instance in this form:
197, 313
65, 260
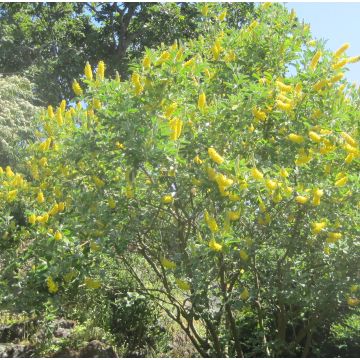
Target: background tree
50, 42
16, 118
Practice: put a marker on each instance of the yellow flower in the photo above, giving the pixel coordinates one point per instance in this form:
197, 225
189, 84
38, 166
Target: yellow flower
283, 106
348, 139
283, 87
42, 219
353, 59
211, 222
202, 101
97, 104
353, 301
9, 172
167, 199
222, 16
52, 286
32, 219
163, 57
341, 50
98, 182
40, 197
197, 160
147, 62
244, 294
271, 184
336, 78
298, 139
176, 126
256, 174
214, 245
61, 206
63, 105
301, 199
54, 210
284, 173
333, 237
339, 64
318, 226
318, 193
234, 215
58, 236
59, 118
170, 109
88, 71
167, 264
205, 10
349, 158
211, 173
77, 88
190, 62
314, 61
100, 72
258, 114
92, 284
314, 136
341, 182
182, 284
214, 156
243, 255
11, 195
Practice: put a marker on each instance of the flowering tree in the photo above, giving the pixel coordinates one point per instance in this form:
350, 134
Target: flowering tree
226, 184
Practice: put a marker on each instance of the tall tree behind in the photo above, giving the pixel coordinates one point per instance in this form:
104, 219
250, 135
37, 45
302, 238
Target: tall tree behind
16, 112
50, 42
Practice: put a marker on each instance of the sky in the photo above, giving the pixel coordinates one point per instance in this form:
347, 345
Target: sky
337, 23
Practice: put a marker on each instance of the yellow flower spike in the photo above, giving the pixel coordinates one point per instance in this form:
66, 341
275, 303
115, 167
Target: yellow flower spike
170, 109
336, 78
351, 149
50, 112
339, 64
211, 222
92, 284
244, 294
283, 87
222, 16
234, 215
284, 173
353, 59
88, 71
32, 219
298, 139
59, 118
77, 88
183, 285
258, 114
40, 197
190, 62
54, 210
146, 62
333, 237
352, 301
256, 174
314, 136
167, 264
163, 58
320, 84
205, 10
314, 61
111, 203
317, 227
96, 104
211, 173
213, 245
301, 199
11, 195
197, 160
63, 105
214, 156
349, 158
98, 182
9, 172
167, 199
58, 236
176, 127
52, 286
100, 71
271, 184
243, 255
341, 50
202, 101
348, 139
341, 182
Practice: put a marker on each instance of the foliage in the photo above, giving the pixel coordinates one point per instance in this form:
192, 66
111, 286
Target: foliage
223, 176
16, 114
49, 43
